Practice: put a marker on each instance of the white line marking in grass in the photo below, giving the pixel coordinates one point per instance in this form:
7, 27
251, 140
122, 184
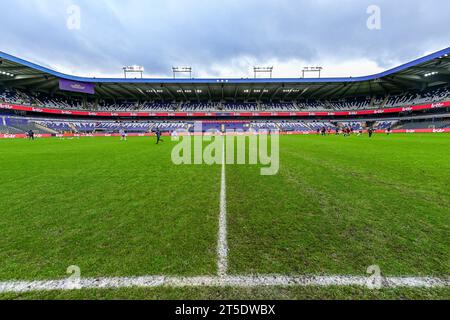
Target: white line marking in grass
222, 245
221, 281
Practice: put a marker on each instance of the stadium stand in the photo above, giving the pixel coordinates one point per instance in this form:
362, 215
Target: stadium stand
16, 125
304, 125
264, 126
14, 96
424, 125
310, 105
34, 98
24, 125
39, 99
159, 106
202, 106
280, 107
89, 126
426, 96
6, 129
240, 107
351, 104
383, 125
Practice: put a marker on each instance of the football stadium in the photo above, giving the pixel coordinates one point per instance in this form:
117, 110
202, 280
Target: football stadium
92, 207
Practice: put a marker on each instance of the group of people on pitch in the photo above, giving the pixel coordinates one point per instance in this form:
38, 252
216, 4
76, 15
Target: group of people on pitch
157, 131
348, 131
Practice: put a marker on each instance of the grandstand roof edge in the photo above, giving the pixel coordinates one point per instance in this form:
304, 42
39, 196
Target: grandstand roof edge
57, 74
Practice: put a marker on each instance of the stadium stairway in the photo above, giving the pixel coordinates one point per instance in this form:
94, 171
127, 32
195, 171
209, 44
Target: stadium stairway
25, 127
372, 102
258, 106
44, 128
381, 105
9, 130
71, 125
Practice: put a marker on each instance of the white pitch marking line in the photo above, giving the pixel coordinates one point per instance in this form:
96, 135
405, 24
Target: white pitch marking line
218, 281
222, 245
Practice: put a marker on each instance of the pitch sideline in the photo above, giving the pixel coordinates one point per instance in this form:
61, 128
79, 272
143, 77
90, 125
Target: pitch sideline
217, 281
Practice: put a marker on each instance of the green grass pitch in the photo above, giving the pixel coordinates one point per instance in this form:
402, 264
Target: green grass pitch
337, 206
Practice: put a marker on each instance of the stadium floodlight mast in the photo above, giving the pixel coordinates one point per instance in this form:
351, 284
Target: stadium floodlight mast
6, 74
181, 70
429, 74
311, 69
257, 70
133, 69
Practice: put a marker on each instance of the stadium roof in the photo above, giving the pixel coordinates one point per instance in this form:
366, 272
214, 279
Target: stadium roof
420, 74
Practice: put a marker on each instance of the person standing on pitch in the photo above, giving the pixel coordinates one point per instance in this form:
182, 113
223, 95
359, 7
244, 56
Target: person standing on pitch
158, 136
31, 135
123, 135
370, 132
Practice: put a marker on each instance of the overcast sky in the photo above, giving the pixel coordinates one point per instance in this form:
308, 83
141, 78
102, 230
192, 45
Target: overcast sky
223, 38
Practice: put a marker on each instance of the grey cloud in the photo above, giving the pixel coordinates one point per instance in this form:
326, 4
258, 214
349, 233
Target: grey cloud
159, 34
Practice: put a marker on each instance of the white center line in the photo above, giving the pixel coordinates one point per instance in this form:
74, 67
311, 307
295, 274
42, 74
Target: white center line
222, 245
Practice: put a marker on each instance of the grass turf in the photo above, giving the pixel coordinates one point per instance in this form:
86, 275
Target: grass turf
112, 208
339, 205
123, 209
